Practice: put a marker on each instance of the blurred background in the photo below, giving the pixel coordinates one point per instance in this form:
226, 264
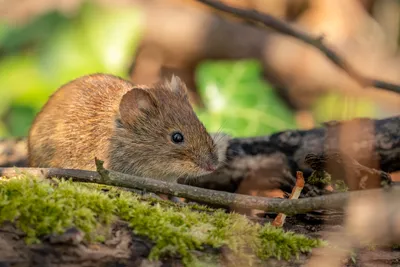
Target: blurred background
245, 79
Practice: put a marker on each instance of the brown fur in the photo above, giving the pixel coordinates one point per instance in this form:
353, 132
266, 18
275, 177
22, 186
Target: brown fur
86, 118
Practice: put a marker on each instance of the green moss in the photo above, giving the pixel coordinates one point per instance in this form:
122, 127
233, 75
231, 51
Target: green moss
319, 178
341, 186
279, 244
40, 207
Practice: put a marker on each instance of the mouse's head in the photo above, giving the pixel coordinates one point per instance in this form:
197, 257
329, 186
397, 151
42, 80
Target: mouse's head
161, 136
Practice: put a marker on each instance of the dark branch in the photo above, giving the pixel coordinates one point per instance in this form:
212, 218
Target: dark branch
316, 42
375, 144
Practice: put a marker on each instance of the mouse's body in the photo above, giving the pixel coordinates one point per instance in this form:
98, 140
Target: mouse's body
149, 131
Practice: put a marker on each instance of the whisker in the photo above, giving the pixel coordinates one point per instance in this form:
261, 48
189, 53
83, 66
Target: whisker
223, 161
195, 180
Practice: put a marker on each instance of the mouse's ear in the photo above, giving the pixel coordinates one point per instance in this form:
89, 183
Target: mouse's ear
136, 102
177, 86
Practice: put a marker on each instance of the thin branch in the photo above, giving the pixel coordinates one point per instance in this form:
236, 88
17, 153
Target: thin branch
112, 178
316, 42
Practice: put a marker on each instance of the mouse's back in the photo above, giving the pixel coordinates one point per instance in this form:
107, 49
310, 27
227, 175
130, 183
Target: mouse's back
76, 120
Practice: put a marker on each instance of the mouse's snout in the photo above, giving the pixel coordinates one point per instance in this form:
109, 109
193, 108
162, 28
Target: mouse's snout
209, 167
210, 164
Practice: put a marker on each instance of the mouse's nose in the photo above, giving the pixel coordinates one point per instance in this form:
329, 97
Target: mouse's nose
209, 165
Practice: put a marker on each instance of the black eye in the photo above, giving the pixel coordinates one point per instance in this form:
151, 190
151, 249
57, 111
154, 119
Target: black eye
177, 137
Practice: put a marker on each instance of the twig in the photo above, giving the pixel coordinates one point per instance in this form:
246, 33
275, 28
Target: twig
280, 219
316, 42
289, 207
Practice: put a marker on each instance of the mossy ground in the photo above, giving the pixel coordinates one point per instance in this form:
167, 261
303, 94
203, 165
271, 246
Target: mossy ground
40, 207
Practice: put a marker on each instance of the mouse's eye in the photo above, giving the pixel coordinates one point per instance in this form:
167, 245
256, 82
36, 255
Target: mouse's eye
177, 137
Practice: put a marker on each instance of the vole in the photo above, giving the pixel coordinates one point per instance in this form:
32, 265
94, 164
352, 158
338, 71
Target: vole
144, 130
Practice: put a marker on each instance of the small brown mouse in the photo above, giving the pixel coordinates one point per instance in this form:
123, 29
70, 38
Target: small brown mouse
149, 131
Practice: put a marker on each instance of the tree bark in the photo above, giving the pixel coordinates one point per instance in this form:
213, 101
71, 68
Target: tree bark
373, 143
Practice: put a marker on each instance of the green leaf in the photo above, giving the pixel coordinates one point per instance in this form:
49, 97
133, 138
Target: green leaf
67, 56
239, 101
98, 39
14, 72
19, 119
41, 29
112, 35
